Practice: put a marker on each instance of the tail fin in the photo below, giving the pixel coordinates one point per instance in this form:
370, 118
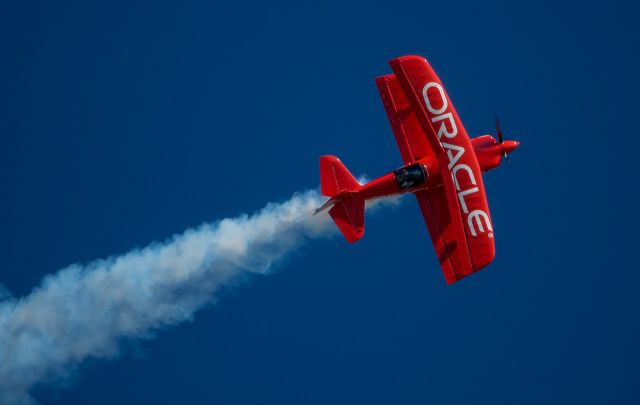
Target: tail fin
348, 207
334, 177
348, 214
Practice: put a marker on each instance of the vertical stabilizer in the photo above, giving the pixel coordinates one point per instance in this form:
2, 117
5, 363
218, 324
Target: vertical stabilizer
334, 177
347, 207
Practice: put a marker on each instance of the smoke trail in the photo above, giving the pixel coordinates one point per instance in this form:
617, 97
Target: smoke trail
84, 311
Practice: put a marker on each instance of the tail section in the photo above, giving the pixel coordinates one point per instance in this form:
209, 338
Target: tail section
334, 177
347, 207
348, 214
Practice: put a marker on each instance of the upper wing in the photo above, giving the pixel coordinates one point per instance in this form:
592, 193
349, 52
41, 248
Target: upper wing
457, 214
450, 245
409, 136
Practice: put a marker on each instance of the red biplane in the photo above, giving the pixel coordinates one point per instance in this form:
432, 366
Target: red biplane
443, 169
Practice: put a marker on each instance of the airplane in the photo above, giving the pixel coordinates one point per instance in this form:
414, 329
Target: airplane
443, 169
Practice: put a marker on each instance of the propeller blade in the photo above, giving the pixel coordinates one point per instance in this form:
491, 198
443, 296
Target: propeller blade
498, 130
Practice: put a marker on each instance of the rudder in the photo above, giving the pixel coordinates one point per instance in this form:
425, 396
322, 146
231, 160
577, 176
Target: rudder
347, 207
335, 178
348, 214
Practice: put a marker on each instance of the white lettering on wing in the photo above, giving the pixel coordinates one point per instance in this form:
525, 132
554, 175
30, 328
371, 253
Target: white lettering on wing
445, 125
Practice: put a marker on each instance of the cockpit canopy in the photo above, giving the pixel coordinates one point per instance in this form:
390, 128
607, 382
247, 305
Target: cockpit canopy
411, 176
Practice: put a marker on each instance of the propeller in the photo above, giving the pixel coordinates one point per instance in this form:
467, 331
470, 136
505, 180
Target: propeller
498, 131
501, 139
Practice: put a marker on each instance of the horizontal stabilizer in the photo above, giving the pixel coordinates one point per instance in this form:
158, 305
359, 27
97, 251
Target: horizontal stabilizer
348, 214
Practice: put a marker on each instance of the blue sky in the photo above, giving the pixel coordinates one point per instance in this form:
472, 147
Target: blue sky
121, 120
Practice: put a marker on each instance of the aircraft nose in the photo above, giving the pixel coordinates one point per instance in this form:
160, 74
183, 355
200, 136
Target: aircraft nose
510, 146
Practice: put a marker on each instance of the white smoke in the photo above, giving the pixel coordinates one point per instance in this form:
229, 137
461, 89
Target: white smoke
84, 311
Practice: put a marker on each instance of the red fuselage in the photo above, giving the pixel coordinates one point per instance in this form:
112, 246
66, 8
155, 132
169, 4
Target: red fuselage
488, 151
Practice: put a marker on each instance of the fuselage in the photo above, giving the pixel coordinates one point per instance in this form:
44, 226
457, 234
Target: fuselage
424, 173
